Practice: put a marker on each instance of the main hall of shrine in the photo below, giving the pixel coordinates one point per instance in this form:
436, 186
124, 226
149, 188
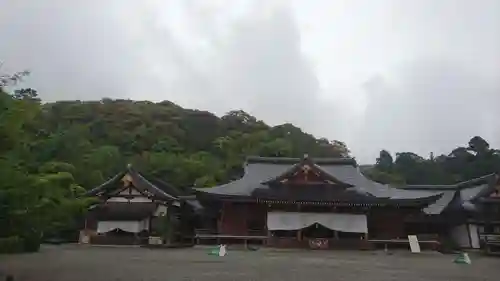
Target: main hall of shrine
293, 202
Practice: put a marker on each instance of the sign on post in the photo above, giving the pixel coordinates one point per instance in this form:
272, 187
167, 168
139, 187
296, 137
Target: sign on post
414, 245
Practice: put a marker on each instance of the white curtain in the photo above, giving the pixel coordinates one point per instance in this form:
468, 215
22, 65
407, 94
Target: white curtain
128, 226
335, 221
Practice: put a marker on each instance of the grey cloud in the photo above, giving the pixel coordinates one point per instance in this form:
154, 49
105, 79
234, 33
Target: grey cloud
258, 65
234, 56
74, 50
265, 67
431, 106
84, 52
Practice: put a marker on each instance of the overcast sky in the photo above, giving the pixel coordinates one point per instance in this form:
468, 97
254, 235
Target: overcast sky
421, 75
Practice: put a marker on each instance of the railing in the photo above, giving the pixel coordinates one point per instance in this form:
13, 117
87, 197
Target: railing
320, 243
117, 240
211, 235
490, 238
491, 243
214, 233
420, 237
204, 231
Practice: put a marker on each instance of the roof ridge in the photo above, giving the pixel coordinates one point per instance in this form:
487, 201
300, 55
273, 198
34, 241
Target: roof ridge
475, 180
133, 173
106, 183
141, 177
295, 160
159, 182
446, 187
437, 187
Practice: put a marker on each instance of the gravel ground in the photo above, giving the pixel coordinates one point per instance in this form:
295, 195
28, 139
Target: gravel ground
78, 263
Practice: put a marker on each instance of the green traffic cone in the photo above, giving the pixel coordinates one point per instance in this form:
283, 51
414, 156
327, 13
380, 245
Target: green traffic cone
219, 251
463, 258
214, 251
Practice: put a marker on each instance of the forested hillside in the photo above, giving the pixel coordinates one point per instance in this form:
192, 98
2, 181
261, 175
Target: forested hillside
182, 146
191, 147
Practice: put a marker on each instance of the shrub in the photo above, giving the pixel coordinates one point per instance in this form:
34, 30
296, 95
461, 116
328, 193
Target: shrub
31, 243
10, 245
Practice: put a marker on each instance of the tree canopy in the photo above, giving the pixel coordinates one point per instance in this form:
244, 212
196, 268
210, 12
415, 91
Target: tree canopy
462, 163
36, 198
181, 146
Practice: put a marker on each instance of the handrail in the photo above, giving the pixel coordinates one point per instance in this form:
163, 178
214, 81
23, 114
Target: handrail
490, 237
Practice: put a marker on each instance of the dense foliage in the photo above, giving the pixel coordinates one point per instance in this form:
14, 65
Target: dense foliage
181, 146
463, 163
35, 199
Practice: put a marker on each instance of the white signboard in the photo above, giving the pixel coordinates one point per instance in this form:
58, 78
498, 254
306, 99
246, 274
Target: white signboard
414, 246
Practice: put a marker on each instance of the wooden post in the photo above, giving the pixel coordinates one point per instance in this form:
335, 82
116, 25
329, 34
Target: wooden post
299, 232
469, 234
221, 219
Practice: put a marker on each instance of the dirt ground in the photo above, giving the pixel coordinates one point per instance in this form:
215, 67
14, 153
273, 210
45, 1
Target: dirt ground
78, 263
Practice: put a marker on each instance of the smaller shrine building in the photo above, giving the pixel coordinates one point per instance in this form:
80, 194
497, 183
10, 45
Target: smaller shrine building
131, 208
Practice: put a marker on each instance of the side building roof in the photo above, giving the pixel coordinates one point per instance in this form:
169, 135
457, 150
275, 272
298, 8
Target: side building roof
461, 196
138, 181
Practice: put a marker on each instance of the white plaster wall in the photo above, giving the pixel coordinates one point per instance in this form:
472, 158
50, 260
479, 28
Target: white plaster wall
140, 199
473, 230
117, 199
161, 211
135, 199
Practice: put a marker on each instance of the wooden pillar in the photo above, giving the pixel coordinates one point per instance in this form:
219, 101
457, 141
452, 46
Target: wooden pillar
467, 226
269, 234
299, 232
150, 219
221, 218
246, 208
366, 213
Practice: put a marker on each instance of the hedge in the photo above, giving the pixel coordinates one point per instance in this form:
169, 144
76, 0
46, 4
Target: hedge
10, 245
31, 243
16, 244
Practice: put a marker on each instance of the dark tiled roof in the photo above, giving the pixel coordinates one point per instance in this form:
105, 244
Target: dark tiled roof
123, 210
259, 170
166, 187
461, 196
139, 182
318, 193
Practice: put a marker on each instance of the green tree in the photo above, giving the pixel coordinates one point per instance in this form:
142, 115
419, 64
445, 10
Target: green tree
385, 162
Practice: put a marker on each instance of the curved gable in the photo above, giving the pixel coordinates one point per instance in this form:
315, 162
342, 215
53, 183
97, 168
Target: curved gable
306, 172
